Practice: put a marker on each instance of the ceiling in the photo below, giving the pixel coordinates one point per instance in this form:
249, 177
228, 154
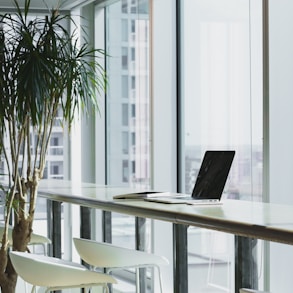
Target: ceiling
45, 4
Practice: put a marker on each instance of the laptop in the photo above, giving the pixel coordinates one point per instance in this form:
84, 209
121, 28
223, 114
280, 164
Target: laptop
210, 181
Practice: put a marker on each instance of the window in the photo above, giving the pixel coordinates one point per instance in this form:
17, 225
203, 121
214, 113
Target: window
124, 58
125, 86
133, 111
132, 54
125, 32
124, 5
125, 171
125, 143
220, 100
125, 115
54, 141
221, 95
133, 139
133, 27
124, 162
133, 83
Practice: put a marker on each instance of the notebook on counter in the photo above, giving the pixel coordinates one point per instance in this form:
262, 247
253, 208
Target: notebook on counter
209, 184
138, 195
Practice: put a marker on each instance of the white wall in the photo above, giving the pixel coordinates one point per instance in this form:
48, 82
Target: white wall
281, 131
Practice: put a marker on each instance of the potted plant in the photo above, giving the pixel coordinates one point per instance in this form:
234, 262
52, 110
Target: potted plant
44, 71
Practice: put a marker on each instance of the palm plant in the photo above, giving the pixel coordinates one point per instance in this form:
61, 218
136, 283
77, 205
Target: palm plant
43, 72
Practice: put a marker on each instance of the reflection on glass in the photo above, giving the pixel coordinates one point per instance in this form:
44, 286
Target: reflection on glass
222, 89
222, 109
128, 132
128, 94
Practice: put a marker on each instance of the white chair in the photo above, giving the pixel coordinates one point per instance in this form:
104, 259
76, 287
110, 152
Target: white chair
36, 239
110, 257
56, 274
244, 290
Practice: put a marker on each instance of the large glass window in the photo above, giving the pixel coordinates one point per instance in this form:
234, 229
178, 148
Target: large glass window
222, 89
127, 107
128, 61
221, 94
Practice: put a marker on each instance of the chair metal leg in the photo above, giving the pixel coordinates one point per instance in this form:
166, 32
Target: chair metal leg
137, 280
106, 288
160, 278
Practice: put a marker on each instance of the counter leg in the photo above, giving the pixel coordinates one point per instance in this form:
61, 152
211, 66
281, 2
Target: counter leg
107, 226
140, 232
245, 263
54, 227
180, 258
85, 222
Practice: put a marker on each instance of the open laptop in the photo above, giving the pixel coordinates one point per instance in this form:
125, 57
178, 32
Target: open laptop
210, 182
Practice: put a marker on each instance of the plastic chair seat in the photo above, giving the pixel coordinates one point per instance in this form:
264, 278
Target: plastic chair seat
55, 274
111, 257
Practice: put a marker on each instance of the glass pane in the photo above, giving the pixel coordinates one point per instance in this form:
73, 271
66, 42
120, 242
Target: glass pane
128, 125
222, 89
128, 94
221, 109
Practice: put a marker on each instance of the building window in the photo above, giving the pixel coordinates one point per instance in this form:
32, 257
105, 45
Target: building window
125, 115
125, 143
133, 110
124, 6
125, 86
132, 54
54, 141
133, 82
133, 26
124, 58
125, 171
125, 31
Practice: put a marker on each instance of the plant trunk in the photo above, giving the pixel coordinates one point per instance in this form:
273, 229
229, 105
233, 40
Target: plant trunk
9, 286
8, 276
21, 237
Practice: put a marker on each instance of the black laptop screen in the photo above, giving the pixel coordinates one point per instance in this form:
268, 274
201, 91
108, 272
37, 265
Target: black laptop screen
213, 174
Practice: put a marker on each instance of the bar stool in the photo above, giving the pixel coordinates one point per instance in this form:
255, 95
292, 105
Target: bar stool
110, 257
56, 274
244, 290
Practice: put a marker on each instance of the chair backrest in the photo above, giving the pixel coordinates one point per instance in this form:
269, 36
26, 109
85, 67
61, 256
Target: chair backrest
48, 271
104, 255
35, 238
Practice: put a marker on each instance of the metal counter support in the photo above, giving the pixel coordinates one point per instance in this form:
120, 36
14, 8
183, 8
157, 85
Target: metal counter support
140, 235
107, 226
246, 275
180, 258
85, 222
85, 227
54, 227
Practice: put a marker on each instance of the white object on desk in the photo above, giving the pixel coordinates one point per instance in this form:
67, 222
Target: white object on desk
244, 290
56, 274
110, 257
